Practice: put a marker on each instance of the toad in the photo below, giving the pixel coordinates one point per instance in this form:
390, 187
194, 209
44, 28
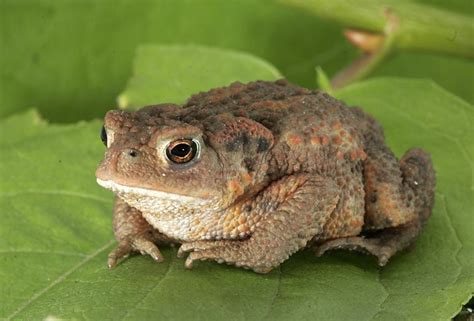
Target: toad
251, 173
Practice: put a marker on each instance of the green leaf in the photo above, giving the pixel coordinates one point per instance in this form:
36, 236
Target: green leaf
323, 81
170, 73
71, 59
456, 75
56, 233
461, 6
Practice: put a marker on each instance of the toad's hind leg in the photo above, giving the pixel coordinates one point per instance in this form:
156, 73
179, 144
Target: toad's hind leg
399, 199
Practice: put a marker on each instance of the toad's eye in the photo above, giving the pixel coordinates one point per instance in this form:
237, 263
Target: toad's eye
103, 135
182, 151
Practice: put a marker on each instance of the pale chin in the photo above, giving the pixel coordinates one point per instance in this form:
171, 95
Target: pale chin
130, 190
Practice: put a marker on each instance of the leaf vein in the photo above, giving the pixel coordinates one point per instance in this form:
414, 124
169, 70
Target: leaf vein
386, 296
30, 251
150, 291
56, 192
58, 280
275, 295
455, 233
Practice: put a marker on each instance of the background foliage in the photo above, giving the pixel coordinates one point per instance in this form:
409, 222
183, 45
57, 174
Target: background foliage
73, 59
70, 59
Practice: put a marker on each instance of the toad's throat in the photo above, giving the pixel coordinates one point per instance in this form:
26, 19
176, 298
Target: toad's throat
178, 216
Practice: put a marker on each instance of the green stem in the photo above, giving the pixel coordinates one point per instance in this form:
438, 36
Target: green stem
364, 65
421, 27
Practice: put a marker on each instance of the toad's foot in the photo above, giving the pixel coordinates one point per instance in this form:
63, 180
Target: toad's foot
238, 253
384, 246
142, 244
196, 246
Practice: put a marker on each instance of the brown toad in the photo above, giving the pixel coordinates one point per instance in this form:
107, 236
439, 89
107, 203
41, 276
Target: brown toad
251, 173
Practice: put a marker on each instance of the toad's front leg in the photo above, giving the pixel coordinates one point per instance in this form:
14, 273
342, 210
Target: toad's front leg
133, 234
300, 204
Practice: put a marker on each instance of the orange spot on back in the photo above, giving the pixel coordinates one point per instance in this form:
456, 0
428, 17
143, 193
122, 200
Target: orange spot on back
337, 140
336, 125
235, 187
295, 139
362, 154
324, 140
246, 177
315, 140
269, 104
354, 155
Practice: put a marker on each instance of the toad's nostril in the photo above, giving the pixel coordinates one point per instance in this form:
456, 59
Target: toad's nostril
132, 153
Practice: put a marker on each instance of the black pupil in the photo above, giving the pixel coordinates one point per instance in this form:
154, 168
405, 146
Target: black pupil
103, 135
181, 150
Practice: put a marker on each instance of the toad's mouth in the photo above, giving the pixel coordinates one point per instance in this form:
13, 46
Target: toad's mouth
130, 190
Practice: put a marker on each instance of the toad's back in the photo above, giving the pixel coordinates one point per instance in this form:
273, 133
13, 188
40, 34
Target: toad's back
307, 125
